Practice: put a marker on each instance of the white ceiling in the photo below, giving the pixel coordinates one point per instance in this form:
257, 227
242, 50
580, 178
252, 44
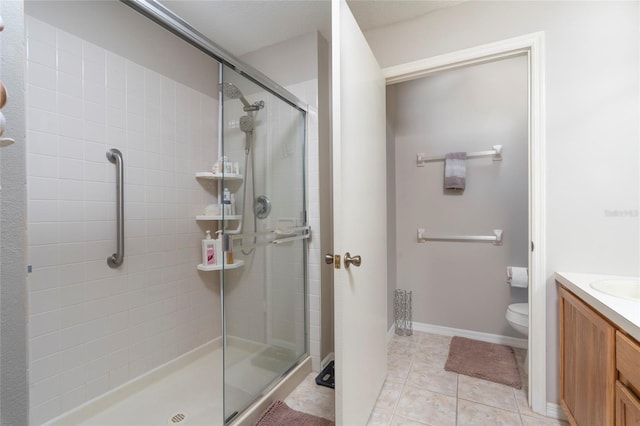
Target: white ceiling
242, 26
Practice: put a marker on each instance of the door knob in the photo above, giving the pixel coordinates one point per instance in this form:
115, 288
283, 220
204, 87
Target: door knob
348, 260
330, 258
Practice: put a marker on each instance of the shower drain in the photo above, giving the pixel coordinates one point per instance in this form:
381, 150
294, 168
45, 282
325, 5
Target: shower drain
178, 418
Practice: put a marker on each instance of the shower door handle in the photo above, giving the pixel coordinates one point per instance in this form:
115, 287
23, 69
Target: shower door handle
115, 156
349, 260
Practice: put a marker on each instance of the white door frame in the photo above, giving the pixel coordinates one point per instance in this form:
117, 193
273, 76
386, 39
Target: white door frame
533, 46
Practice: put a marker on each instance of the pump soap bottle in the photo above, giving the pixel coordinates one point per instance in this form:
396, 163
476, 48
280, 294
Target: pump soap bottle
209, 250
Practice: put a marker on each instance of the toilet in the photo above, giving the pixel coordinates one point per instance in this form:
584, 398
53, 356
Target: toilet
518, 317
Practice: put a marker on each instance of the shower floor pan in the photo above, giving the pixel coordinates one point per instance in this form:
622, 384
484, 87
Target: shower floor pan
186, 391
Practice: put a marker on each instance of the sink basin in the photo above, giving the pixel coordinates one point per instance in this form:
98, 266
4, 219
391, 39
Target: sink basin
624, 288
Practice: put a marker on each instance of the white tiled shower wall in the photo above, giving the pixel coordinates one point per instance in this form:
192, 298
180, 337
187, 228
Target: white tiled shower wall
92, 328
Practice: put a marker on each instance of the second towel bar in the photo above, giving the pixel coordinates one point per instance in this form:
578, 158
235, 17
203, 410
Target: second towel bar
496, 238
495, 152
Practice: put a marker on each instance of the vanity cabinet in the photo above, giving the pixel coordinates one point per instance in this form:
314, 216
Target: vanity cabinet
628, 384
599, 367
587, 363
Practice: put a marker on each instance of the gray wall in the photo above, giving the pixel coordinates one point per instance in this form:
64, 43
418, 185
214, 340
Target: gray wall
14, 398
461, 284
592, 151
391, 203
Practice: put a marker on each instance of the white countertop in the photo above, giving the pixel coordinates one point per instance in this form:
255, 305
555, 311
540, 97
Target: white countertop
622, 312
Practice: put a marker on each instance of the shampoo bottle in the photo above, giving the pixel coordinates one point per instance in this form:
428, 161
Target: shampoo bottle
218, 248
208, 250
226, 199
228, 250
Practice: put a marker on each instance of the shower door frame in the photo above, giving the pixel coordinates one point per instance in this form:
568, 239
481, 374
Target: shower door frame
531, 45
164, 17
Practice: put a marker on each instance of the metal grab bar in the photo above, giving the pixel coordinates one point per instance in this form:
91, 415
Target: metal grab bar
115, 156
496, 238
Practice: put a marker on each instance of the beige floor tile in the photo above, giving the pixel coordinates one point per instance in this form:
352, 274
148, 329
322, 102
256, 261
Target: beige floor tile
433, 349
419, 392
433, 378
415, 337
398, 369
485, 392
541, 421
389, 397
401, 421
434, 339
523, 405
472, 414
312, 399
425, 406
406, 357
435, 359
380, 418
402, 347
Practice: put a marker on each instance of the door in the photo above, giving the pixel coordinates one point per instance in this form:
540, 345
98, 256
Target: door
359, 219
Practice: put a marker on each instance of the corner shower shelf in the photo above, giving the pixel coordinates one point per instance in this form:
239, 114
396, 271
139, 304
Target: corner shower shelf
217, 176
226, 217
236, 264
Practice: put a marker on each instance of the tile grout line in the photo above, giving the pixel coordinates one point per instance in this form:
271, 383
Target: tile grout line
457, 397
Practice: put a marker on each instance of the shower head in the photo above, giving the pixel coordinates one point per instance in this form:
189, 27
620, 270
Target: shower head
246, 123
231, 91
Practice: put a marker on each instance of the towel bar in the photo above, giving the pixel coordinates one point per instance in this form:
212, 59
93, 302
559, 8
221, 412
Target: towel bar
496, 152
496, 238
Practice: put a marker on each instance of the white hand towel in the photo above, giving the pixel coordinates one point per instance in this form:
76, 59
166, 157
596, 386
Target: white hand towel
455, 170
517, 276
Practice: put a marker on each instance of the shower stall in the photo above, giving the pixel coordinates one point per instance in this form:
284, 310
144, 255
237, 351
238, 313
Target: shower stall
209, 145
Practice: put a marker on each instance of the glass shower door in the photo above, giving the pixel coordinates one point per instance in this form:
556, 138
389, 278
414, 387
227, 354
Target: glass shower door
264, 288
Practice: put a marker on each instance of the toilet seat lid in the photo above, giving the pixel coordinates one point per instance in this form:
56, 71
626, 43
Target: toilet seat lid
520, 309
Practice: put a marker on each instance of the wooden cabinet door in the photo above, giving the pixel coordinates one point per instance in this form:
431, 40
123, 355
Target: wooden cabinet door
627, 407
587, 363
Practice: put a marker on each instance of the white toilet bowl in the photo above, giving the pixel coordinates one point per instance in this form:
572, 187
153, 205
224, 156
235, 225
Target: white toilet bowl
518, 317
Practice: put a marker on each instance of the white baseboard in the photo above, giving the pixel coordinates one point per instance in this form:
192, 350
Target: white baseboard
390, 333
477, 335
327, 359
555, 411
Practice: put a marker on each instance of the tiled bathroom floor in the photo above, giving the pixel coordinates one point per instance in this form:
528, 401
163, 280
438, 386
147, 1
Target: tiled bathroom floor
418, 391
